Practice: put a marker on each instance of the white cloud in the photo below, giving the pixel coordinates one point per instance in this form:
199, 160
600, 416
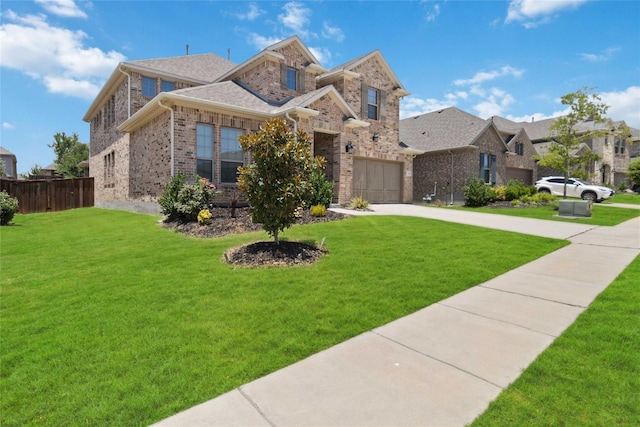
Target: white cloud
8, 126
483, 76
55, 56
495, 104
599, 57
624, 105
296, 17
251, 14
431, 16
64, 8
322, 54
536, 12
262, 42
333, 33
413, 106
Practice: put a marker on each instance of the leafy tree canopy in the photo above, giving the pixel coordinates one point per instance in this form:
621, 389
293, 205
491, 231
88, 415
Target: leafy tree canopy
566, 137
634, 171
69, 152
277, 182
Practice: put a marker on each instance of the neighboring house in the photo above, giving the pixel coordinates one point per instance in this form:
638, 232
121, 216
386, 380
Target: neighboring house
10, 163
451, 147
155, 118
612, 149
634, 148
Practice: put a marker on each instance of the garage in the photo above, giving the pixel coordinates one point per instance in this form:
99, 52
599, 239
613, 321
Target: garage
524, 175
377, 181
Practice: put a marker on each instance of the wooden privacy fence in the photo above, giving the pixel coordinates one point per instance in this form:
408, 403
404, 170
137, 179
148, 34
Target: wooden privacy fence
40, 195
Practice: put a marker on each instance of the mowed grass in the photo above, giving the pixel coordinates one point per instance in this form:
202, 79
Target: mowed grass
600, 215
590, 375
109, 319
632, 199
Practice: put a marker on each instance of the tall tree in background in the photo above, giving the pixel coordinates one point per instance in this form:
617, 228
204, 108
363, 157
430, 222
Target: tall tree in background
566, 138
69, 152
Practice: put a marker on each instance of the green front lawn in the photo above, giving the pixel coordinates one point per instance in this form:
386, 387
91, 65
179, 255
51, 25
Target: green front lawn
600, 215
633, 199
590, 376
109, 319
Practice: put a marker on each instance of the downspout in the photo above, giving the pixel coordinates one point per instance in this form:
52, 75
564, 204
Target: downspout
295, 124
172, 136
128, 90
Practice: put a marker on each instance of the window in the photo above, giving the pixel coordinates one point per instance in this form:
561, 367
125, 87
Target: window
488, 168
372, 103
166, 86
606, 140
110, 112
292, 79
109, 170
619, 145
204, 151
231, 155
520, 148
148, 87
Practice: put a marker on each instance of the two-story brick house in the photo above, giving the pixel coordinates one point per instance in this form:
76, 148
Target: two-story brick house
155, 118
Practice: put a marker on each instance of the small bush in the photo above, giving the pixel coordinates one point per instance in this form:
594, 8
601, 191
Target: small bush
623, 186
477, 193
501, 193
358, 203
183, 202
514, 189
321, 189
318, 210
204, 216
8, 207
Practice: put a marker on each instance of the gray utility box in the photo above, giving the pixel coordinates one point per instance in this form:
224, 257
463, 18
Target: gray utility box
579, 208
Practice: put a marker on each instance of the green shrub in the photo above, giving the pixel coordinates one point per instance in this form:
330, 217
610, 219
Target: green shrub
623, 186
501, 192
321, 189
514, 189
478, 193
8, 207
183, 202
318, 210
358, 203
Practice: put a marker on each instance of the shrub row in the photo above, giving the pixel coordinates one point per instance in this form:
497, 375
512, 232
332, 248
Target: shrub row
478, 193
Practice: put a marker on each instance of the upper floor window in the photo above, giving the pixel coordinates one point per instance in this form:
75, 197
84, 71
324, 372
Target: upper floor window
167, 86
204, 151
619, 145
520, 148
292, 79
148, 87
231, 154
373, 103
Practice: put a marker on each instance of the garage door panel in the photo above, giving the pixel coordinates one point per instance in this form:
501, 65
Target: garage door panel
377, 181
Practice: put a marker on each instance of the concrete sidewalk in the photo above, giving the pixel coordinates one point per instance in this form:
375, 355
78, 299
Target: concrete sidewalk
444, 364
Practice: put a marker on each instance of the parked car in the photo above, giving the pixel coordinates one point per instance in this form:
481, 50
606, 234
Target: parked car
575, 188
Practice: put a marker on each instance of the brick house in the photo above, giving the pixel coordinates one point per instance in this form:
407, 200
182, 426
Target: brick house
450, 147
155, 118
612, 149
10, 163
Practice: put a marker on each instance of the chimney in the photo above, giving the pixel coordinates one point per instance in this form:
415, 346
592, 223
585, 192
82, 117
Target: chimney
228, 54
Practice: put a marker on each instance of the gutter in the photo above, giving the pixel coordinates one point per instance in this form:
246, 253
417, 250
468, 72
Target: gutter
295, 124
172, 136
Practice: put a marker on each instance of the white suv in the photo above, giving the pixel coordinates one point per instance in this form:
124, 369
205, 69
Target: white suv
575, 188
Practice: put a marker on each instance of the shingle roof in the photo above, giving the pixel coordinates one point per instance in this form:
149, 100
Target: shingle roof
5, 152
446, 129
228, 93
205, 67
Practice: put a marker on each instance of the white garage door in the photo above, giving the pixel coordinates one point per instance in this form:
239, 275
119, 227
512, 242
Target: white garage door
377, 181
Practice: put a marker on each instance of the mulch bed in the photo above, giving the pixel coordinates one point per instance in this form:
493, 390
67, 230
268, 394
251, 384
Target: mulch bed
256, 254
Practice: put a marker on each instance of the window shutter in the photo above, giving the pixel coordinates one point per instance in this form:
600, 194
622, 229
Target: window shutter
363, 100
300, 83
382, 113
481, 168
283, 75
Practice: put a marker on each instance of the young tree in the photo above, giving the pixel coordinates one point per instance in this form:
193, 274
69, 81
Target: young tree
566, 137
634, 173
69, 152
277, 183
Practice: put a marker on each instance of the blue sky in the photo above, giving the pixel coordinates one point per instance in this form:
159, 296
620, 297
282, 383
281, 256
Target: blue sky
509, 58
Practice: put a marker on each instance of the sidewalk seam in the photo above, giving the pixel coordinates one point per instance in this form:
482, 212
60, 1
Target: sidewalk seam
437, 360
255, 405
531, 296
